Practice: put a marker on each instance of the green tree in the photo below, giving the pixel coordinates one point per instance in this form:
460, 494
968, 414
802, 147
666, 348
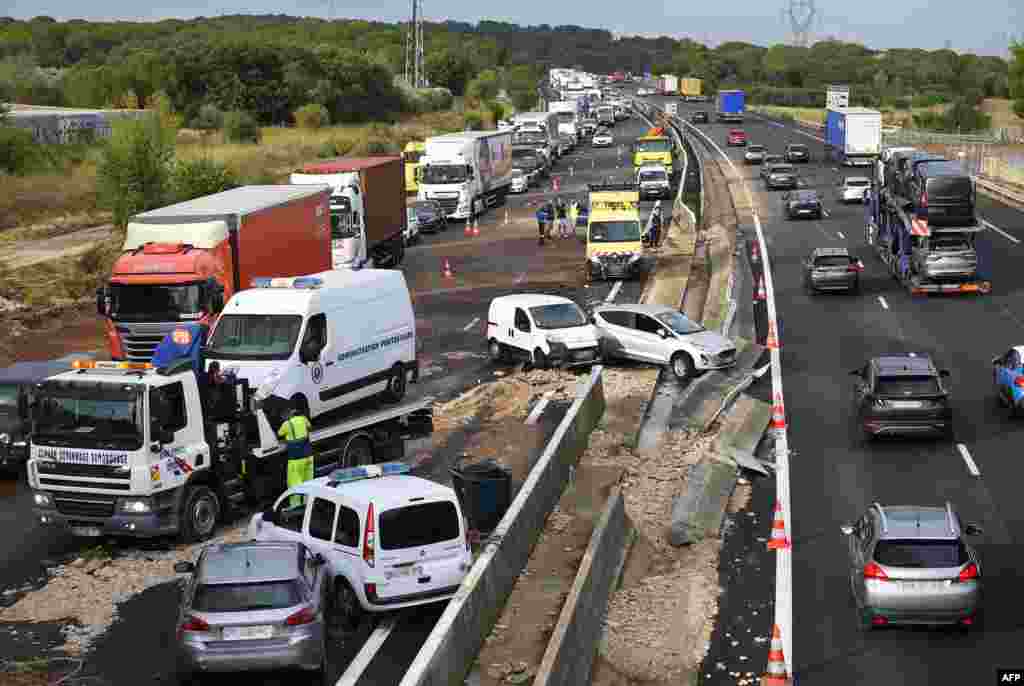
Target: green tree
241, 127
521, 84
18, 150
1017, 78
136, 166
312, 116
204, 176
209, 118
485, 86
449, 69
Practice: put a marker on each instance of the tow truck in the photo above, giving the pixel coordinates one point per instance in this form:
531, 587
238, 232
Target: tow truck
907, 244
146, 449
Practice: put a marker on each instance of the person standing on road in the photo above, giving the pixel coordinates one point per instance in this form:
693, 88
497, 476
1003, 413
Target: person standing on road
563, 218
295, 431
541, 219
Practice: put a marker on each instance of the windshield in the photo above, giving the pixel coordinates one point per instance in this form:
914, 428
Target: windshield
560, 316
412, 156
8, 398
658, 175
425, 209
679, 322
653, 146
857, 183
529, 137
156, 302
907, 385
566, 117
832, 261
444, 173
782, 169
756, 148
255, 337
798, 148
248, 597
805, 196
415, 526
921, 554
93, 416
951, 243
615, 231
342, 226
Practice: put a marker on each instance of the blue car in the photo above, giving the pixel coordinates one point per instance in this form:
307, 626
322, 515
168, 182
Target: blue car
1008, 375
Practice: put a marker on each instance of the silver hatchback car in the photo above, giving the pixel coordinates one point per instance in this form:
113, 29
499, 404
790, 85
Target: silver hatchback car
253, 606
910, 565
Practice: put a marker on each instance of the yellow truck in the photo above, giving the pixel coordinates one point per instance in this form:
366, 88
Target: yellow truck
614, 233
690, 88
654, 147
411, 158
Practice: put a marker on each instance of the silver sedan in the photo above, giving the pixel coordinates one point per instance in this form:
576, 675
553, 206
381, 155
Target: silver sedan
853, 189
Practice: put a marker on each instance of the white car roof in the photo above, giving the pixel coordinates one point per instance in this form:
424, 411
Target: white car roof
530, 300
638, 308
385, 492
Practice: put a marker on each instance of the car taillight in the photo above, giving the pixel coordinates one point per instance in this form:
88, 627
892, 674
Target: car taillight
193, 623
969, 573
873, 571
856, 267
303, 616
1019, 382
368, 537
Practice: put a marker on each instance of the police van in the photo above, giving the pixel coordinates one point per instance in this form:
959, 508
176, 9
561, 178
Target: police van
323, 341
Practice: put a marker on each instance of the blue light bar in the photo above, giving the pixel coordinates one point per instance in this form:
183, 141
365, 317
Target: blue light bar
373, 471
287, 282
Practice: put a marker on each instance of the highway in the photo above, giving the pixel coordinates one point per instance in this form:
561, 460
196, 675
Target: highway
835, 475
504, 258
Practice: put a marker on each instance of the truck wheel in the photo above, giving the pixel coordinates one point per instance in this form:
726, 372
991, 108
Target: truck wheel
540, 360
496, 352
397, 384
199, 513
345, 612
682, 366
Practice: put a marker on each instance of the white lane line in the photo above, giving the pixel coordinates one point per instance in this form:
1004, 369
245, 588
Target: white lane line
473, 323
614, 292
539, 407
809, 135
826, 213
841, 235
367, 653
999, 231
884, 304
971, 467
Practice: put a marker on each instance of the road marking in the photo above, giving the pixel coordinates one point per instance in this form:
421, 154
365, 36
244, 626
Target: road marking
809, 135
539, 408
881, 300
971, 467
473, 323
999, 231
367, 653
826, 212
614, 292
841, 235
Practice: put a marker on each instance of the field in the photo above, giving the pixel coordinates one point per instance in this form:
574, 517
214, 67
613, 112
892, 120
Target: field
39, 205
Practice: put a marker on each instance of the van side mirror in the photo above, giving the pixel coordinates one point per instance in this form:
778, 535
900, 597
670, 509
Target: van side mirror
318, 559
974, 530
855, 372
847, 529
268, 516
944, 373
184, 568
308, 352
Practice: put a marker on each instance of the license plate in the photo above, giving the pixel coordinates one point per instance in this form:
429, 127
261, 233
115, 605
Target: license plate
247, 633
416, 570
90, 531
922, 585
905, 404
805, 211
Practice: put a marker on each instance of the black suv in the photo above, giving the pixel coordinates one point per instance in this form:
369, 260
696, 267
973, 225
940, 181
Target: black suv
902, 393
805, 203
797, 152
700, 117
906, 170
943, 193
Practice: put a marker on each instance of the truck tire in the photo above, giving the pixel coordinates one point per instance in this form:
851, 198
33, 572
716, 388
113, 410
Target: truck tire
540, 360
345, 613
398, 382
358, 452
200, 511
682, 366
496, 351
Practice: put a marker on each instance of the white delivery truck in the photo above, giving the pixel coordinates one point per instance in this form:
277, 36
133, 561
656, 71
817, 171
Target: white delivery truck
568, 114
853, 136
467, 172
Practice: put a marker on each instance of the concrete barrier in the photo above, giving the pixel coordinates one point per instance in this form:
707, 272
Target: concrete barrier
698, 511
451, 648
700, 402
569, 656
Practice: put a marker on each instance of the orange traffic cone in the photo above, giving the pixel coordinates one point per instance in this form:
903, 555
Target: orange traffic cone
775, 674
755, 253
760, 294
773, 340
778, 413
476, 227
468, 230
778, 539
446, 270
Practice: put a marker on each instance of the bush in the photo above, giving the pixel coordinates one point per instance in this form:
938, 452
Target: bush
380, 146
209, 118
241, 127
18, 150
204, 176
311, 116
473, 121
902, 103
134, 174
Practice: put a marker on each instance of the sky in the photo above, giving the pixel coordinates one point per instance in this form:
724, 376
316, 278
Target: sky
879, 24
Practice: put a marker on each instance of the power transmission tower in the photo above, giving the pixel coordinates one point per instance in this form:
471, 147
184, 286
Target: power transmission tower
801, 15
415, 73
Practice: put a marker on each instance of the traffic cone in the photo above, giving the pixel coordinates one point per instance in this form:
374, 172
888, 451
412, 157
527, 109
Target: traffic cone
772, 343
778, 539
760, 294
778, 413
469, 229
446, 270
476, 227
755, 253
775, 673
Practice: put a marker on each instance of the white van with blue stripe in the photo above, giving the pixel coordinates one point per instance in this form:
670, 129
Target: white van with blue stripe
323, 340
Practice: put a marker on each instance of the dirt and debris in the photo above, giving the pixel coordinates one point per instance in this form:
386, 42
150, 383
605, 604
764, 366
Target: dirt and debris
85, 592
659, 622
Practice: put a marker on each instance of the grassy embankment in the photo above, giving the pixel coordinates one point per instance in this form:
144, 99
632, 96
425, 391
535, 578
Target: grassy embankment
48, 205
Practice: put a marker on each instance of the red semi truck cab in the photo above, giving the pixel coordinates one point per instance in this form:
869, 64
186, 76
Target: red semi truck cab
183, 262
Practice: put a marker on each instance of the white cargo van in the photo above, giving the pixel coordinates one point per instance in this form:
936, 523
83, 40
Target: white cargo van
544, 330
323, 340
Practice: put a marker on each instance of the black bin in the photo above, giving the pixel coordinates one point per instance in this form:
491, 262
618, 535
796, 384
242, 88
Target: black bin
484, 490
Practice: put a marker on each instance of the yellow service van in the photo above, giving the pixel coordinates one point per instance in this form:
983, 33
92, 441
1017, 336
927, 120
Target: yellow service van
614, 232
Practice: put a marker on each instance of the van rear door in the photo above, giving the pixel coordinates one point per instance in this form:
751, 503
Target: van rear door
421, 547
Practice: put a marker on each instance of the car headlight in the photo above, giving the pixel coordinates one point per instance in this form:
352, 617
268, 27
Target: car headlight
633, 257
596, 259
42, 499
135, 505
5, 438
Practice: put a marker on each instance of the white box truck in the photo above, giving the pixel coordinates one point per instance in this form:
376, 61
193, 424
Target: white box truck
853, 136
568, 114
467, 172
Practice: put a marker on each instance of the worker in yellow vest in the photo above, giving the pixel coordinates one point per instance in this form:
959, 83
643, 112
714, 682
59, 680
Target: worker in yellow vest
295, 431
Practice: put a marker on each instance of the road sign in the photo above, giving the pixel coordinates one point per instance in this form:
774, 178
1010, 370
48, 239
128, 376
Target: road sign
837, 96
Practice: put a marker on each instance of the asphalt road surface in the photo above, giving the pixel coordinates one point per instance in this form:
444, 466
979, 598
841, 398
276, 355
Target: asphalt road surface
835, 475
504, 258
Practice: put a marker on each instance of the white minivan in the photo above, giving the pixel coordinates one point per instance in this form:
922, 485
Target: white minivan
322, 341
542, 330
